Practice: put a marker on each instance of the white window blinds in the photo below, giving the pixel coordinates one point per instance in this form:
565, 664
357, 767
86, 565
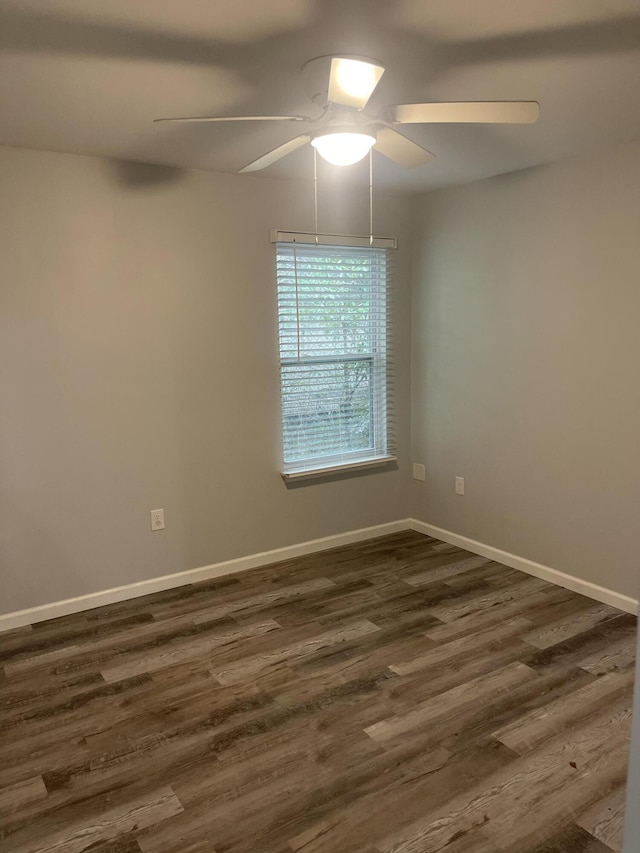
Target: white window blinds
335, 365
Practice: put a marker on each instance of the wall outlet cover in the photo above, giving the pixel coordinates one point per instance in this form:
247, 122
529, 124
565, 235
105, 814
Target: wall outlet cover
418, 471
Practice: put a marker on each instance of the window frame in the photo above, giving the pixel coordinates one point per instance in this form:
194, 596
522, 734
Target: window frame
381, 452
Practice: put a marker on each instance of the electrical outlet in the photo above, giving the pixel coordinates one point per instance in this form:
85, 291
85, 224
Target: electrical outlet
418, 471
459, 485
157, 519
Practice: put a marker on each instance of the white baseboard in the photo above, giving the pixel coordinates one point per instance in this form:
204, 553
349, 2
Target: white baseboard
19, 618
591, 590
32, 615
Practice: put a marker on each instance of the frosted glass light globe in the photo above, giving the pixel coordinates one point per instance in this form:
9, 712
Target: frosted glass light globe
343, 148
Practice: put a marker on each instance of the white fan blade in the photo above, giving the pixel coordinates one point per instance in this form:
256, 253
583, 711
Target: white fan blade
397, 147
352, 81
275, 155
489, 112
235, 118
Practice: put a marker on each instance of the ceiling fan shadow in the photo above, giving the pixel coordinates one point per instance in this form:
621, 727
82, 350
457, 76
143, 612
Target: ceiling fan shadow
145, 175
584, 39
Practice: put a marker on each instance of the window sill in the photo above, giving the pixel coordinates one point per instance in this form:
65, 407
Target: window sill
341, 468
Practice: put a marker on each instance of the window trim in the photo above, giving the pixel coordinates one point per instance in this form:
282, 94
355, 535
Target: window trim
339, 468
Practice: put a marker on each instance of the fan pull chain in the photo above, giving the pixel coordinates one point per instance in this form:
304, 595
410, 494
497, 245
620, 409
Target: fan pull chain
371, 197
315, 191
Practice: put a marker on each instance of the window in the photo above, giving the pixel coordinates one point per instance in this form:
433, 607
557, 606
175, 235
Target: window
334, 348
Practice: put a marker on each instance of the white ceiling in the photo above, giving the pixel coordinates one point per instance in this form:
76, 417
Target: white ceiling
88, 77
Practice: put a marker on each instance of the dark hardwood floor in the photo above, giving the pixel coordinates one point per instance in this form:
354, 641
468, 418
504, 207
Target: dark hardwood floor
396, 695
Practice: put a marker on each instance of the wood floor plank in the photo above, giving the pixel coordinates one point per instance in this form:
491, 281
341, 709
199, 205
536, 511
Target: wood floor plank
445, 570
244, 810
349, 826
616, 655
75, 660
43, 658
201, 648
462, 647
570, 839
538, 726
37, 744
124, 844
473, 622
15, 796
243, 603
249, 668
560, 800
86, 632
493, 574
407, 692
506, 800
521, 700
36, 698
78, 837
569, 627
579, 648
605, 819
348, 700
343, 602
462, 699
466, 605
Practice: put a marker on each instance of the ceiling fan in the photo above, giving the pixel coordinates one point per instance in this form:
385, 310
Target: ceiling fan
344, 133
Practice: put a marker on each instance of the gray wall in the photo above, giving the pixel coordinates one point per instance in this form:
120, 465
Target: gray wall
138, 369
526, 363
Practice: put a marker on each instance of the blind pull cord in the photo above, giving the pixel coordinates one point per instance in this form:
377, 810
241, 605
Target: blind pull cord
315, 192
315, 196
295, 277
370, 197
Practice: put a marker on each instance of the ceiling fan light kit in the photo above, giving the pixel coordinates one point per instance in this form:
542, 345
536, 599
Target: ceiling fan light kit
344, 133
